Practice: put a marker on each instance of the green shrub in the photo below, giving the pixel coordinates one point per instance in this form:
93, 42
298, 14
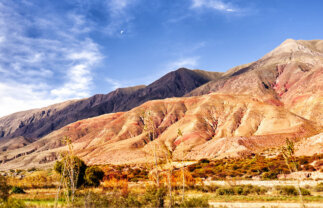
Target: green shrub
204, 160
132, 200
269, 175
12, 203
17, 190
79, 167
32, 169
90, 199
319, 187
93, 176
305, 192
225, 191
291, 190
194, 202
154, 196
212, 188
4, 189
241, 190
250, 189
287, 190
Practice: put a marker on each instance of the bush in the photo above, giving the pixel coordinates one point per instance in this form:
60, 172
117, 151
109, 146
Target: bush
291, 191
212, 188
90, 199
225, 191
154, 196
12, 203
241, 190
114, 199
305, 192
93, 176
79, 167
32, 169
17, 190
319, 187
204, 160
194, 202
287, 190
269, 175
249, 189
4, 189
308, 168
37, 179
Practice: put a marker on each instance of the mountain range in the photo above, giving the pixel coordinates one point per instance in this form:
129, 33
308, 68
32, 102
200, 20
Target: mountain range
250, 108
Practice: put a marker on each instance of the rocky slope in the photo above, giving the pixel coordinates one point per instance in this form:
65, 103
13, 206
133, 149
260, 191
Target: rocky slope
291, 75
33, 124
213, 126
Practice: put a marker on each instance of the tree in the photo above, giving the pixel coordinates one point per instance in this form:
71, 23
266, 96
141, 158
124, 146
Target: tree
180, 134
78, 166
93, 176
288, 153
72, 170
150, 129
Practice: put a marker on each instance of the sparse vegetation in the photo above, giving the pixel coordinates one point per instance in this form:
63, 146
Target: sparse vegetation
78, 169
17, 190
129, 185
93, 176
4, 189
319, 187
241, 190
194, 202
247, 167
288, 153
291, 191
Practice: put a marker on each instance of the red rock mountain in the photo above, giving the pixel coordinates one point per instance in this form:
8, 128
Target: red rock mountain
291, 75
28, 126
248, 109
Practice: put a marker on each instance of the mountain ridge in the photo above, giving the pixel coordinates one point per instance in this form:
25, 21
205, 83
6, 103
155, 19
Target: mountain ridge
36, 123
247, 109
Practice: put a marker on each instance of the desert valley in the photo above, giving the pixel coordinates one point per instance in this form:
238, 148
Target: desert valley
161, 103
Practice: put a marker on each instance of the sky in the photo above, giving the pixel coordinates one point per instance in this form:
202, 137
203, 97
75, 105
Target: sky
52, 51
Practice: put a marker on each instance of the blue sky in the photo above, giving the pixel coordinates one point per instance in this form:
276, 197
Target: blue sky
51, 51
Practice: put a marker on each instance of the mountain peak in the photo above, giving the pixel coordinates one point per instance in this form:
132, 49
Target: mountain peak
289, 46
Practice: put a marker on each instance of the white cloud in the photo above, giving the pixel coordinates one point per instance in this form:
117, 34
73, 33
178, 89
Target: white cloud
117, 6
218, 5
44, 59
115, 83
188, 62
119, 16
18, 97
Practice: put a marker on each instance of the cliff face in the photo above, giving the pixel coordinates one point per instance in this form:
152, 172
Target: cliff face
34, 124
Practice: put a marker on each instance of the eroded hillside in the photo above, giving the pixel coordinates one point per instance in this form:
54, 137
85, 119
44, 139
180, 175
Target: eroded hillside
213, 125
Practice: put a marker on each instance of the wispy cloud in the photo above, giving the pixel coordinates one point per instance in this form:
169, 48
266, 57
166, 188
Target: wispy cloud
219, 5
114, 83
16, 96
187, 62
79, 74
120, 18
44, 59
